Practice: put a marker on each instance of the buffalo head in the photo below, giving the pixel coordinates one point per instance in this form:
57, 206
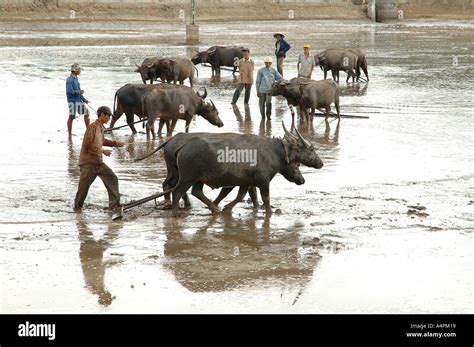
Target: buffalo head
200, 57
209, 112
292, 173
147, 69
300, 150
279, 87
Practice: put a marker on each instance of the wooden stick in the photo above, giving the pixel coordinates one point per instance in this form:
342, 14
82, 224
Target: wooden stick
222, 68
126, 125
342, 115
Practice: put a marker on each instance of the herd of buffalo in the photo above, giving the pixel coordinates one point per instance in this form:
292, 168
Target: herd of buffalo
191, 159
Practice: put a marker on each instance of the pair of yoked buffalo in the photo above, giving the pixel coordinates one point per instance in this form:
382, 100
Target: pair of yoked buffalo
176, 69
192, 162
166, 102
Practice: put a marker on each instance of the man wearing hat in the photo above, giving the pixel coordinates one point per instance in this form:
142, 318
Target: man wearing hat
306, 63
281, 47
246, 67
266, 76
91, 163
75, 97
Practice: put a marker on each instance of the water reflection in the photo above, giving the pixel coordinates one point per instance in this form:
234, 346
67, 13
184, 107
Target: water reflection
72, 160
91, 255
265, 128
308, 130
245, 124
224, 252
354, 89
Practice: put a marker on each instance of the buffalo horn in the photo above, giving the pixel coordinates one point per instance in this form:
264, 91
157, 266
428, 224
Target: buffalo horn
305, 143
287, 133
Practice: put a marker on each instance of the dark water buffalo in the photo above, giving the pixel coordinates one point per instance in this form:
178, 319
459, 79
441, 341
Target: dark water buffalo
128, 100
338, 59
180, 102
290, 170
149, 69
201, 161
308, 94
218, 56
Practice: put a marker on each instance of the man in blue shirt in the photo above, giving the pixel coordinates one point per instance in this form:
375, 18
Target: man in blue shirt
75, 98
266, 76
281, 47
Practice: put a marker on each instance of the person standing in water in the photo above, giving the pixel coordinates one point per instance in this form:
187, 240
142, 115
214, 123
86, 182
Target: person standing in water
75, 97
246, 67
266, 76
91, 163
306, 63
281, 47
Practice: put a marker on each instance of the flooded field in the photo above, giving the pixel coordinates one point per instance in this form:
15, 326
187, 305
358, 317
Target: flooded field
385, 226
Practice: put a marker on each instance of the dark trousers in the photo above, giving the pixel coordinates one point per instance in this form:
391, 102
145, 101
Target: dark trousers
240, 87
89, 173
265, 102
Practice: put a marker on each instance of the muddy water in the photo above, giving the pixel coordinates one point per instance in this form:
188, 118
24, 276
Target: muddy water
385, 226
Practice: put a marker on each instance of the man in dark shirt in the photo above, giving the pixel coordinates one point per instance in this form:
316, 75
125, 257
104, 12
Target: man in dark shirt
75, 97
281, 47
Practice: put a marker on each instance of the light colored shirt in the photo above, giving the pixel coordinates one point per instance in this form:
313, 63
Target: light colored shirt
265, 78
246, 68
306, 65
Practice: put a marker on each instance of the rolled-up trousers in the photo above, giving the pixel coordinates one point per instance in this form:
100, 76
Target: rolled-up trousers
89, 173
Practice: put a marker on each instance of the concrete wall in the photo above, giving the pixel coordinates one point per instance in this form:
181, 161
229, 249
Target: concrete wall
165, 2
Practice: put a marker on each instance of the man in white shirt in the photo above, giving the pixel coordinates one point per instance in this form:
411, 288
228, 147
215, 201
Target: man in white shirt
306, 63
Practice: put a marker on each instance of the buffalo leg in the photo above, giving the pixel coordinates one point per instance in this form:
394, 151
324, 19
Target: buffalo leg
265, 193
114, 120
188, 122
178, 192
242, 192
222, 194
160, 127
129, 116
253, 196
337, 108
328, 111
197, 192
173, 125
150, 128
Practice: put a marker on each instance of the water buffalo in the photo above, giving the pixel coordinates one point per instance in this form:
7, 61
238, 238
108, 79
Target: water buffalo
337, 59
361, 62
180, 102
200, 161
176, 69
128, 100
218, 56
308, 94
289, 170
148, 70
